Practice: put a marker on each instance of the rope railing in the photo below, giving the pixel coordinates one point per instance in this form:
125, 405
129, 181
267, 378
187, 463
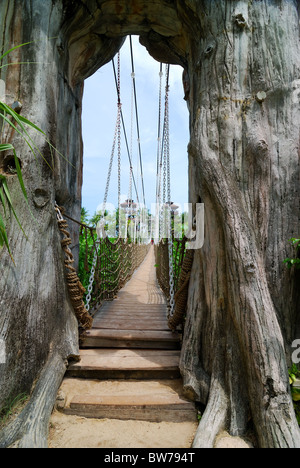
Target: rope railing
182, 266
117, 260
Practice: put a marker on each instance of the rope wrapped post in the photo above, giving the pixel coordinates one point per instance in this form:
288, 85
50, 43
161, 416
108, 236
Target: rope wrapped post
75, 288
181, 295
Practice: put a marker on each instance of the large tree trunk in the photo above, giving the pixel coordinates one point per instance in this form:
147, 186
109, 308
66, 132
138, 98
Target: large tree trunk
244, 157
37, 322
243, 310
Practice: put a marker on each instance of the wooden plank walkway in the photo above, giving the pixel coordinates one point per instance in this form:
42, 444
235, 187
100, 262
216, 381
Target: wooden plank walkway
130, 339
137, 318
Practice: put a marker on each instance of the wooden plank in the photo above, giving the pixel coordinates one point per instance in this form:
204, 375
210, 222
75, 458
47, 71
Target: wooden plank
127, 315
131, 364
138, 313
134, 334
128, 362
108, 338
133, 303
155, 408
133, 318
99, 342
158, 399
115, 353
128, 304
123, 374
142, 316
130, 326
133, 310
125, 324
122, 324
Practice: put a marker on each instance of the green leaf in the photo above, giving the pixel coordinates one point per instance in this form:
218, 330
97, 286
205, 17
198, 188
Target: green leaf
19, 118
21, 125
30, 124
6, 147
19, 172
293, 377
23, 136
7, 194
14, 48
296, 396
2, 200
4, 238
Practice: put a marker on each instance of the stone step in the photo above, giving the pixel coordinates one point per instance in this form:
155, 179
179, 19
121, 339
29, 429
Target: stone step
137, 339
126, 364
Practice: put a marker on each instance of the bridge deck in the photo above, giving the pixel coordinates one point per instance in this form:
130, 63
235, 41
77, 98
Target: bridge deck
130, 342
137, 318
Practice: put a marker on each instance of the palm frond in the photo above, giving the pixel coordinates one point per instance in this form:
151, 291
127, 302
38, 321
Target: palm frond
22, 126
12, 49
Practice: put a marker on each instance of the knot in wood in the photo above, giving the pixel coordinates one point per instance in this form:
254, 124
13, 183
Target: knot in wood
240, 20
41, 198
209, 49
261, 96
250, 268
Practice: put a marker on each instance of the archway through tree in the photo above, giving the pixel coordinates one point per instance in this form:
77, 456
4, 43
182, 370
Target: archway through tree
142, 95
243, 63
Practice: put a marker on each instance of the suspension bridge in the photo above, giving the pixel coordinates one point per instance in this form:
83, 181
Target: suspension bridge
132, 316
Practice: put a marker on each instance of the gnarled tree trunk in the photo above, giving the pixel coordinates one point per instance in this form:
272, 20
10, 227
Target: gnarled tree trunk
243, 63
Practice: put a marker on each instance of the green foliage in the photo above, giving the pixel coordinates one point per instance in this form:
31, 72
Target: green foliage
295, 261
12, 407
22, 126
179, 249
87, 240
5, 198
294, 374
86, 245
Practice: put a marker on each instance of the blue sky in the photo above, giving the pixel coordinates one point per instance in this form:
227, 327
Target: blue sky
99, 119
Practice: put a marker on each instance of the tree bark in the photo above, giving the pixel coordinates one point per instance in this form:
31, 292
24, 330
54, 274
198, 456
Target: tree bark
243, 61
244, 152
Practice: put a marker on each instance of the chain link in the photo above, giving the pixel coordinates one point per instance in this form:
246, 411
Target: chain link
91, 281
167, 186
117, 138
158, 215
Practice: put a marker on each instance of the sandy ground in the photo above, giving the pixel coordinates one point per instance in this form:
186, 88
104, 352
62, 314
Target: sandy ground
77, 432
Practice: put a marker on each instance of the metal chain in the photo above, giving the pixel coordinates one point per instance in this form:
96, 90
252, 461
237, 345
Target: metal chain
159, 140
90, 288
117, 136
131, 137
110, 166
91, 281
159, 162
119, 139
167, 180
164, 212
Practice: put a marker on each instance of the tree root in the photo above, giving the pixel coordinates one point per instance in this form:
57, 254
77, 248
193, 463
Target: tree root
214, 418
30, 429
